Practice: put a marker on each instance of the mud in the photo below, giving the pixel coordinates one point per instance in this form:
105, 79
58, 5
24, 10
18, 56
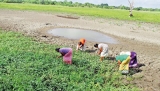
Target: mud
140, 37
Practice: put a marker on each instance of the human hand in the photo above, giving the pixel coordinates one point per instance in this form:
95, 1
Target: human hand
99, 53
119, 62
58, 56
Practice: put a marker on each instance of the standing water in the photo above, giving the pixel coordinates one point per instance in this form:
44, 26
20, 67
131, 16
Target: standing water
89, 35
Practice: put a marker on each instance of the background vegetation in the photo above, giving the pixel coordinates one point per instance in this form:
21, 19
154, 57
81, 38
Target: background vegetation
77, 4
141, 16
33, 66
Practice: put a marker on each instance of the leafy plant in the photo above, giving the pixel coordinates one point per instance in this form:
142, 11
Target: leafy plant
30, 65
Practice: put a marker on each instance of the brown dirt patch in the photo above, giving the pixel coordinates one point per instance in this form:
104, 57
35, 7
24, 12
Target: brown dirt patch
140, 37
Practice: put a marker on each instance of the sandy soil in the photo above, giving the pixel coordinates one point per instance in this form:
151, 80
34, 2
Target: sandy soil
140, 37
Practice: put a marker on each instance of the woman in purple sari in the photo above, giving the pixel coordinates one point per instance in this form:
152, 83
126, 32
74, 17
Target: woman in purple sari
66, 53
133, 55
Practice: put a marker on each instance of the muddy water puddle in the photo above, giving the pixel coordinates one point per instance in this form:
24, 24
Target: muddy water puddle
89, 35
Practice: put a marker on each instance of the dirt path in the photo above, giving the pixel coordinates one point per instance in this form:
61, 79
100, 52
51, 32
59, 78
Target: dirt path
132, 36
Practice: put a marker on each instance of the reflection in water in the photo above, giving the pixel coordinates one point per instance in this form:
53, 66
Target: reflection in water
89, 35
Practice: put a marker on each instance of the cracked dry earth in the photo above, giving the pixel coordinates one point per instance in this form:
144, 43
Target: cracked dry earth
143, 38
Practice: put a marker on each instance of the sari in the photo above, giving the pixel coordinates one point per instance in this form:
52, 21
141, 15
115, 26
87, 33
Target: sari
67, 58
133, 55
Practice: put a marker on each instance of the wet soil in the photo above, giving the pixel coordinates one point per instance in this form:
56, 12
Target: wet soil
140, 37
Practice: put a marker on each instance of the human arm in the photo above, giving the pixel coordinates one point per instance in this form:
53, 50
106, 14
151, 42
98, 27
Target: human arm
61, 55
78, 46
119, 62
99, 51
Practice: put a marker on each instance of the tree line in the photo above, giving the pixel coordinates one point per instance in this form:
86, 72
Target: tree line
77, 4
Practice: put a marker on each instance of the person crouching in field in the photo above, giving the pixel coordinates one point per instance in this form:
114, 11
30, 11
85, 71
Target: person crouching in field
81, 44
133, 55
66, 53
102, 50
123, 62
127, 60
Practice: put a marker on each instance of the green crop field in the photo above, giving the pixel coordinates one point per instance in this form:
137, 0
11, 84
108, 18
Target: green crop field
142, 16
28, 65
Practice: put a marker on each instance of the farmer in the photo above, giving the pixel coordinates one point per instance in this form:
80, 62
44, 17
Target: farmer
102, 50
66, 53
123, 62
81, 44
133, 55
